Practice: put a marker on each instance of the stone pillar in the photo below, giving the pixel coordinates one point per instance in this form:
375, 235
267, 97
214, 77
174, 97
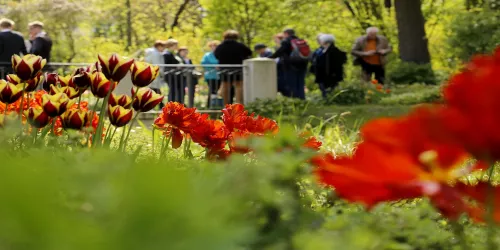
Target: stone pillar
260, 79
125, 86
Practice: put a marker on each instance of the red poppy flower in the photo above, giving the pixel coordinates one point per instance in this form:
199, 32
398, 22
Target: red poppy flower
261, 125
210, 134
176, 118
418, 132
311, 142
373, 175
235, 117
472, 97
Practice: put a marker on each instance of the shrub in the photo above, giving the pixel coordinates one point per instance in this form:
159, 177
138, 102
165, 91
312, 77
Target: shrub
409, 73
475, 32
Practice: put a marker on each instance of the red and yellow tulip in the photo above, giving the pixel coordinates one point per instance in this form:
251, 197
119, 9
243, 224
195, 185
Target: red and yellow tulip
146, 99
120, 100
69, 91
37, 117
143, 73
55, 105
81, 78
9, 92
119, 116
28, 66
75, 119
50, 79
115, 67
100, 85
66, 81
31, 84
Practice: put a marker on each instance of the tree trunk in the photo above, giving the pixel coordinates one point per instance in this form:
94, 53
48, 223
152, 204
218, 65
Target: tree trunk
413, 45
129, 24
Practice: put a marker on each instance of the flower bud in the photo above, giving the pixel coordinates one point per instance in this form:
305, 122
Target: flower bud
28, 66
115, 67
143, 73
119, 116
146, 99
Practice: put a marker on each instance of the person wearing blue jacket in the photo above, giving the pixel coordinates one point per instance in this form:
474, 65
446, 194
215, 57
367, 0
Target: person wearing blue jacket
211, 74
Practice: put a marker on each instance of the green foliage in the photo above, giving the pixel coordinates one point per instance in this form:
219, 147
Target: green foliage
100, 199
413, 94
408, 73
475, 32
350, 95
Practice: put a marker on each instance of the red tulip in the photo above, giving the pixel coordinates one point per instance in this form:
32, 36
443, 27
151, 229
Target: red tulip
146, 99
115, 67
119, 116
49, 80
120, 100
37, 117
28, 66
143, 73
9, 92
101, 86
75, 119
55, 105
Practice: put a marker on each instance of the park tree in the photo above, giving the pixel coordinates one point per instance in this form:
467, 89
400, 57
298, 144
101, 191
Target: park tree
413, 44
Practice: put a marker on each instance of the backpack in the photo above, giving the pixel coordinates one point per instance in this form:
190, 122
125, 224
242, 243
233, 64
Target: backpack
300, 49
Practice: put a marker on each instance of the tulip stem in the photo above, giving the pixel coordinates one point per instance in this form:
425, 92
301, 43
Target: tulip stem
121, 139
165, 146
100, 124
21, 108
153, 139
79, 102
92, 119
459, 232
34, 134
490, 210
130, 129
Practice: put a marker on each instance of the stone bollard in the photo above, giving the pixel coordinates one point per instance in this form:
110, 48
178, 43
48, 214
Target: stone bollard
125, 86
260, 79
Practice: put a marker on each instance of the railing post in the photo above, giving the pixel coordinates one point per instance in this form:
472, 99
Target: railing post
190, 85
260, 80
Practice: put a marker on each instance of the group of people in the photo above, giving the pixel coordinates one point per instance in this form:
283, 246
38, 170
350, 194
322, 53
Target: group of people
226, 81
13, 42
293, 56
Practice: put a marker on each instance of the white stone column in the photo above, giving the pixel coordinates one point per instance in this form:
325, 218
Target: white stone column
125, 86
260, 79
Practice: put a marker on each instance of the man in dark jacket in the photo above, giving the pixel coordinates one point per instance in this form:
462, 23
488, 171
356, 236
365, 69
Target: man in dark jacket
41, 44
294, 69
11, 43
230, 51
330, 62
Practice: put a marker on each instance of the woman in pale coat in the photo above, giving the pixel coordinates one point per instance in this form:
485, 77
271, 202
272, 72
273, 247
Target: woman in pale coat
155, 56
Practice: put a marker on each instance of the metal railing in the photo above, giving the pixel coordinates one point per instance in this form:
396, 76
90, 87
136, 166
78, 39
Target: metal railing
205, 86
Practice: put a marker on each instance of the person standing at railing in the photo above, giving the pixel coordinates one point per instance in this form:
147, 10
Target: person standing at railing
11, 43
155, 56
230, 51
173, 75
295, 53
190, 73
211, 76
41, 44
283, 88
